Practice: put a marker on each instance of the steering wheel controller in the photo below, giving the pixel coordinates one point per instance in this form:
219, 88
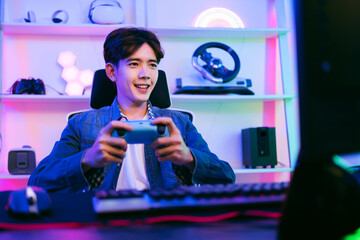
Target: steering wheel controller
143, 132
214, 70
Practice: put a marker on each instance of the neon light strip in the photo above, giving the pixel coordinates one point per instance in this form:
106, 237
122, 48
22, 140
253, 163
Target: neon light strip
218, 14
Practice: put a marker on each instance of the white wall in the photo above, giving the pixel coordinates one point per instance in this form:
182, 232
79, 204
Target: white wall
39, 124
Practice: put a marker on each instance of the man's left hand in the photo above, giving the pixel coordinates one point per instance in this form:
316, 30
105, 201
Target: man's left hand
172, 148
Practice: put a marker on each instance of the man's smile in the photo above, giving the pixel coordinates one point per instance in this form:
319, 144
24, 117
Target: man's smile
142, 86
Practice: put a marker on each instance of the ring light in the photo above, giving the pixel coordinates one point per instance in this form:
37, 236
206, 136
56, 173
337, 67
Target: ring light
216, 17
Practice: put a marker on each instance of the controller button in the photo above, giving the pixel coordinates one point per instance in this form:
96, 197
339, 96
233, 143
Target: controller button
120, 132
161, 129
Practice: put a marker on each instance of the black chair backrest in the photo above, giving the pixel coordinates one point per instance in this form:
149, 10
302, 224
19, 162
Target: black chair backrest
104, 91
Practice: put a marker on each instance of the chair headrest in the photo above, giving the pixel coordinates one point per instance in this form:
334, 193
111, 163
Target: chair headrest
104, 91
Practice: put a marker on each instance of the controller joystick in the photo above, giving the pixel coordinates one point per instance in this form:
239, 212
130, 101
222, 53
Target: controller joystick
161, 129
120, 132
143, 132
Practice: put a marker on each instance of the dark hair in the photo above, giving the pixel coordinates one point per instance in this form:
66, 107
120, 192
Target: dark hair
123, 42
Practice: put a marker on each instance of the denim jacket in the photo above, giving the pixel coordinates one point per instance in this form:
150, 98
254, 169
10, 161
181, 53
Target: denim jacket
61, 170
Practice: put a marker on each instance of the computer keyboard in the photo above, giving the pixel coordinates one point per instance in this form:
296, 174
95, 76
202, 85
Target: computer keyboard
235, 196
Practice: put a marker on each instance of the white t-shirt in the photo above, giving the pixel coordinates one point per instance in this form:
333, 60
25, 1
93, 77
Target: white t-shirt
133, 172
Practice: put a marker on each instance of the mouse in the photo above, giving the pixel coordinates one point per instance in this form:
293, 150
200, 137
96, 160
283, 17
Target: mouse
29, 201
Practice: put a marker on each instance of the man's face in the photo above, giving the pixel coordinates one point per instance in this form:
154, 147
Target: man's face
136, 76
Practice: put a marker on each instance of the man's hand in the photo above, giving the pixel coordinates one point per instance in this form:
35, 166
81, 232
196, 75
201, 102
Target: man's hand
106, 148
172, 148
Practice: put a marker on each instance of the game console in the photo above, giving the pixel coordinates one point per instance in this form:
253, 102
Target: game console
143, 132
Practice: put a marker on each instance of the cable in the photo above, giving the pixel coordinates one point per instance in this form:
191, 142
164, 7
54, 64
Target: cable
60, 93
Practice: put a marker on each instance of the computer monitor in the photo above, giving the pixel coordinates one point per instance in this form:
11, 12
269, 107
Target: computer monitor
328, 50
324, 198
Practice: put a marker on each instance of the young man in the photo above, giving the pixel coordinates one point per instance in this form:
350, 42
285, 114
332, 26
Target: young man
87, 157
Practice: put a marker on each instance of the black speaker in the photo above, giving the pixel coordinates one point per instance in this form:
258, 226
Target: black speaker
259, 147
21, 161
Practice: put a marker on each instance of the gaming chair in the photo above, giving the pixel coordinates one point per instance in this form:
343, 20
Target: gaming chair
104, 91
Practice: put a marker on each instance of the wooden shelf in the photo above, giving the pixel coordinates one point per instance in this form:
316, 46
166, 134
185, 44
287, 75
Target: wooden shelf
262, 170
9, 176
236, 170
42, 98
228, 98
103, 30
175, 98
220, 32
58, 29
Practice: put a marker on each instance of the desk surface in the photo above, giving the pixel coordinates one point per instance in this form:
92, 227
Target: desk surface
228, 230
68, 208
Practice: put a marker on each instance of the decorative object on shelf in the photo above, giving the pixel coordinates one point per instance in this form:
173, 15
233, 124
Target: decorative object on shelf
21, 161
106, 12
214, 71
60, 16
27, 86
77, 81
30, 17
218, 17
259, 147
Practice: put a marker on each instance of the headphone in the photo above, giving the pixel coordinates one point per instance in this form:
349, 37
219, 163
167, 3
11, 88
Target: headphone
59, 16
106, 12
214, 70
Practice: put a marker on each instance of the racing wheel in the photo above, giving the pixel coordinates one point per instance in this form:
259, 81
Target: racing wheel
214, 70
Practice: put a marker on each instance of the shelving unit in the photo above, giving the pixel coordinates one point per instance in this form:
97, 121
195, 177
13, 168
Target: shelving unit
278, 102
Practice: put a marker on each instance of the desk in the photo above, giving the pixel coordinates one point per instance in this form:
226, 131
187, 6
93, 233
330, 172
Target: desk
77, 207
227, 230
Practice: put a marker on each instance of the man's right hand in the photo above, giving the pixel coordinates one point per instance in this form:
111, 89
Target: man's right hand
106, 149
